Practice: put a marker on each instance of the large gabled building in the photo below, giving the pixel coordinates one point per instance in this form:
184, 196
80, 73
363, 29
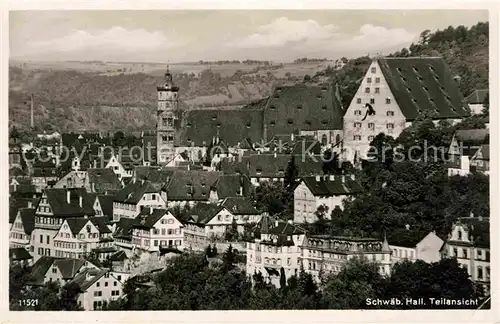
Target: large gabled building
396, 91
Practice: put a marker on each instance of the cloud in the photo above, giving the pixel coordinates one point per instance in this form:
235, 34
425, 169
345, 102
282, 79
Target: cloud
115, 43
376, 38
289, 39
283, 31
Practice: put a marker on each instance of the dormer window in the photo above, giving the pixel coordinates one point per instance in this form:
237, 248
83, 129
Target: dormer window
358, 100
214, 117
273, 123
324, 107
299, 107
272, 107
290, 121
248, 125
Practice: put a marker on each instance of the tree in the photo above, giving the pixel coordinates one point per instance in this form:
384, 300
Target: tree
271, 197
331, 163
291, 175
228, 259
282, 278
357, 281
307, 78
231, 233
445, 278
424, 37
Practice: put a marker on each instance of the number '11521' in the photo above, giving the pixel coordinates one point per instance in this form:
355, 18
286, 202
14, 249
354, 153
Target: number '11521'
28, 302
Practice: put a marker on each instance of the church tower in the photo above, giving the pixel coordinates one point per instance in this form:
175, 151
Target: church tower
168, 100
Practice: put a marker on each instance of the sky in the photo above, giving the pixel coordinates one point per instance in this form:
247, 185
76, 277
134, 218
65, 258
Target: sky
186, 36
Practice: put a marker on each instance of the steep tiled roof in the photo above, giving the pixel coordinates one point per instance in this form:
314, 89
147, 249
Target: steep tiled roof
200, 126
57, 198
302, 107
106, 202
472, 136
69, 267
477, 97
133, 192
40, 268
19, 254
104, 179
124, 228
240, 206
228, 185
28, 219
76, 224
159, 177
326, 187
100, 223
202, 213
88, 277
141, 172
270, 165
191, 185
147, 218
14, 206
423, 84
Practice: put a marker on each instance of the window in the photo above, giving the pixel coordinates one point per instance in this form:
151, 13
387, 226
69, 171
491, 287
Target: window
115, 283
387, 100
357, 137
357, 125
479, 272
358, 100
459, 234
41, 238
357, 113
97, 293
372, 100
479, 253
377, 80
464, 252
163, 231
390, 113
105, 284
390, 126
367, 90
377, 90
97, 284
155, 242
370, 138
289, 261
368, 80
54, 270
455, 252
374, 70
371, 125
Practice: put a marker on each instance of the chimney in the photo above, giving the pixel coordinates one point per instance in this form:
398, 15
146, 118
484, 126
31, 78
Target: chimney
241, 188
343, 178
318, 178
30, 204
68, 196
290, 221
80, 201
292, 137
275, 154
151, 209
264, 136
480, 218
353, 177
93, 187
407, 226
276, 223
332, 177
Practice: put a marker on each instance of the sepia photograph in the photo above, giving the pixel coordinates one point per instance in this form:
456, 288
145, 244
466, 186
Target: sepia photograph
249, 160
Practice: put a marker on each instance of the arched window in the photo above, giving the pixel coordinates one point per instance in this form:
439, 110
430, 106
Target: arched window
324, 139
